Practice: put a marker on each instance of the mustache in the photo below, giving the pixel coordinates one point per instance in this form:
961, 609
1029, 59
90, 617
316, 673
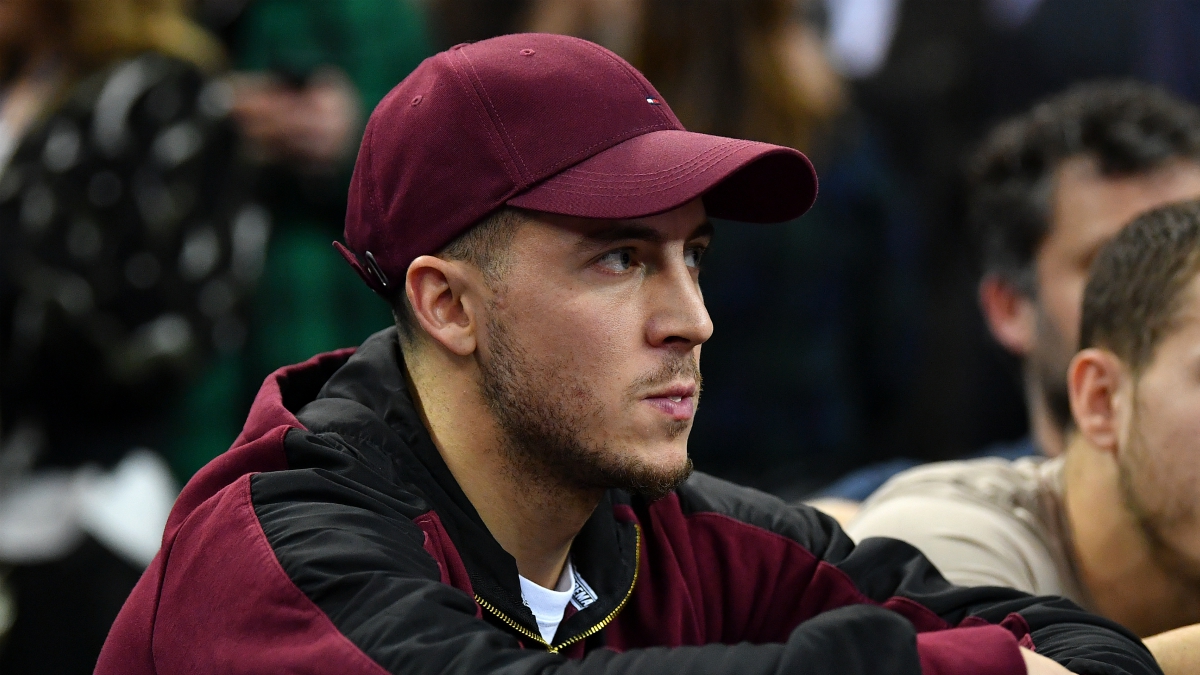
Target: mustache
672, 369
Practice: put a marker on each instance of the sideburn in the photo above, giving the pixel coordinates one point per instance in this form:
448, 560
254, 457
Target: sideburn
1051, 368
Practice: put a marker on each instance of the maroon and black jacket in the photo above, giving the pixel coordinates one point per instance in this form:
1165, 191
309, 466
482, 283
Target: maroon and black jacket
333, 539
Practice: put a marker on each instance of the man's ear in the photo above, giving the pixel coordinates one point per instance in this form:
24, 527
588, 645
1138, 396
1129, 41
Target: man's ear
1010, 314
1094, 381
445, 301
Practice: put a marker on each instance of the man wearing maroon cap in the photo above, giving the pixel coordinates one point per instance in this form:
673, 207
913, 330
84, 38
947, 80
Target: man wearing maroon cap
501, 483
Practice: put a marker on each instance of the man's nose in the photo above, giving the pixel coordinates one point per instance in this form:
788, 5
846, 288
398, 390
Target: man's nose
678, 317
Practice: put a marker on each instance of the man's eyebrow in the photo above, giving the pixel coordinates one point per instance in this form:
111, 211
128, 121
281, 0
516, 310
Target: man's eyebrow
627, 231
704, 229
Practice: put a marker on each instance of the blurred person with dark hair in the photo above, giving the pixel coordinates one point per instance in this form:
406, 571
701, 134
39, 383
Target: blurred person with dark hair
837, 288
1048, 189
935, 75
128, 247
1114, 524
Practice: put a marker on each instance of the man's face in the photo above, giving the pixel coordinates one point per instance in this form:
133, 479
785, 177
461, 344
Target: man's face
1088, 210
589, 354
1159, 453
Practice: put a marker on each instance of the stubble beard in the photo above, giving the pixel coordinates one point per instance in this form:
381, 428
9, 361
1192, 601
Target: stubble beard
544, 412
1155, 512
1052, 358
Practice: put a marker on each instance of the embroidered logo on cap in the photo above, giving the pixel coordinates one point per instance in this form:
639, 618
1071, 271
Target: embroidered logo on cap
653, 101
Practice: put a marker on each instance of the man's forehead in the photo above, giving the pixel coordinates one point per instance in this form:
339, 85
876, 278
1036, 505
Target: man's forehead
1084, 195
1089, 208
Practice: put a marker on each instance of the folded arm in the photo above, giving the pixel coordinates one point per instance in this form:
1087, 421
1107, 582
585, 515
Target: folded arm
1177, 651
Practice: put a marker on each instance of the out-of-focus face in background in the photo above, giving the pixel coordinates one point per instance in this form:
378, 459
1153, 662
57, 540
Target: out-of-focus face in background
1088, 210
1159, 445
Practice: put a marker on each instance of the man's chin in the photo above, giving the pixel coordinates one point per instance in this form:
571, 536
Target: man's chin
652, 481
654, 475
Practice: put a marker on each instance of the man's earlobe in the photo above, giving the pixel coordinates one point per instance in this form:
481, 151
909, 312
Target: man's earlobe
1094, 381
437, 290
1010, 315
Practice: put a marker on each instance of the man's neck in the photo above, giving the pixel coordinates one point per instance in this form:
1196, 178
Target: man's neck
533, 517
1115, 561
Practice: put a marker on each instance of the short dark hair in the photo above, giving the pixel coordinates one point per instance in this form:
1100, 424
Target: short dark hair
1138, 283
484, 245
1129, 127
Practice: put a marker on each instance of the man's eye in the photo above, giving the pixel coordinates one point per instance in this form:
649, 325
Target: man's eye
619, 260
693, 255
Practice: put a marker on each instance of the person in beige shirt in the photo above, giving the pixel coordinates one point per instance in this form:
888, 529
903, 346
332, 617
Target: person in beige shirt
983, 522
1114, 523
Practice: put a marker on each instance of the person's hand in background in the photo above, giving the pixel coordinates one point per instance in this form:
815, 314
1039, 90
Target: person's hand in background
314, 126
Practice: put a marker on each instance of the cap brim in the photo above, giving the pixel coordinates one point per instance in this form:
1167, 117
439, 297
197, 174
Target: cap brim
662, 170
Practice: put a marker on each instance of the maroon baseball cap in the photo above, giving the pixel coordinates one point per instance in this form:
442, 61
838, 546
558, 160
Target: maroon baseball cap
548, 123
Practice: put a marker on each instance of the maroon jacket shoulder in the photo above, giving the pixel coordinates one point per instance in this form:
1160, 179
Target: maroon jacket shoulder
213, 510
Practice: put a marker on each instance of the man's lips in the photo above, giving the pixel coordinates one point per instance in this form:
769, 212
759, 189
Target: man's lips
677, 401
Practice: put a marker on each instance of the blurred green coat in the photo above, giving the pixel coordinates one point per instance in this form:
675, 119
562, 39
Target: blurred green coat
309, 301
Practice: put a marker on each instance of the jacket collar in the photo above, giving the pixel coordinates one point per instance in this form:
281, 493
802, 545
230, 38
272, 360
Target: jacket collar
387, 432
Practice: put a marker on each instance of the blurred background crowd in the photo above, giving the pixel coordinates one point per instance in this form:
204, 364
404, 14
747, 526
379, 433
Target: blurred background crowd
172, 174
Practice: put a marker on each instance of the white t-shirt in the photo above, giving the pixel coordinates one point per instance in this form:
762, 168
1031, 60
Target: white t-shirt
548, 606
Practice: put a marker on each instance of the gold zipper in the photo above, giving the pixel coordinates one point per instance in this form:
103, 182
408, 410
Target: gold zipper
554, 649
513, 624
